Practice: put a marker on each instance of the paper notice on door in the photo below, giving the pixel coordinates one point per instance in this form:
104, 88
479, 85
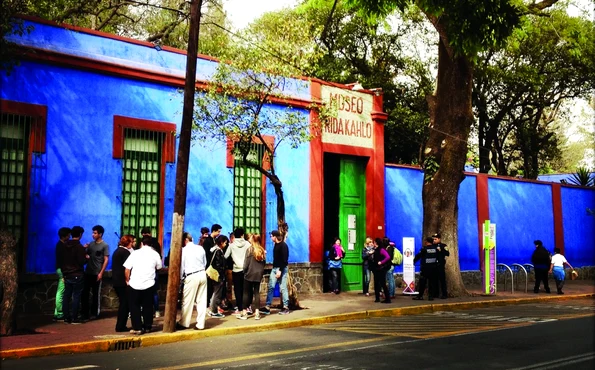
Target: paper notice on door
351, 237
351, 247
351, 221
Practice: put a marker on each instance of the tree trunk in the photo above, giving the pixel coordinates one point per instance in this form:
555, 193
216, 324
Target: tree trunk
451, 119
8, 281
283, 227
175, 259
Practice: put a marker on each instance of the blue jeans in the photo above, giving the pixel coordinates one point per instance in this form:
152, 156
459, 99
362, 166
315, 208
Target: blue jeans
390, 281
73, 287
367, 275
282, 287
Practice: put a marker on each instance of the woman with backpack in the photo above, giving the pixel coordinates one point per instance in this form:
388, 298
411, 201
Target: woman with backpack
335, 255
218, 263
379, 265
390, 279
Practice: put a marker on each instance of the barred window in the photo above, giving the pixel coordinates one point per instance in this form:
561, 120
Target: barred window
247, 205
14, 134
141, 181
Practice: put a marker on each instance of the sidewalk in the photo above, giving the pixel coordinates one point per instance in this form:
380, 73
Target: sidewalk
39, 336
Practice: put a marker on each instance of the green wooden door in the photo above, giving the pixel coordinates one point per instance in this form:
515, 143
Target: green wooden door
352, 219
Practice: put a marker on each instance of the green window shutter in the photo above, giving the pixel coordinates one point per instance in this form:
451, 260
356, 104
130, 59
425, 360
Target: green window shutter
14, 144
247, 202
141, 181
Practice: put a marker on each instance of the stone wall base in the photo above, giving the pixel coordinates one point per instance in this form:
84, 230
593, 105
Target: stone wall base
37, 293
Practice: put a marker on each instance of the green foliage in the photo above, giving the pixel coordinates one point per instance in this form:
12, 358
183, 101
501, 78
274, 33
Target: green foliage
431, 166
236, 102
470, 26
10, 26
518, 91
354, 48
582, 177
164, 22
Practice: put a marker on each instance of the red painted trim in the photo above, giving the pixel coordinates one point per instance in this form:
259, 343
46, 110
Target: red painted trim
37, 144
168, 150
268, 140
483, 211
348, 150
168, 129
316, 234
375, 211
263, 208
376, 224
37, 136
558, 217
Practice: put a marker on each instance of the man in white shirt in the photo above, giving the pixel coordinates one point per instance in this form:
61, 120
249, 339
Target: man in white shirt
140, 268
195, 283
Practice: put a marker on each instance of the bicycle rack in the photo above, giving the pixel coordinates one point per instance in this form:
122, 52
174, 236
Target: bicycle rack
528, 267
518, 267
502, 266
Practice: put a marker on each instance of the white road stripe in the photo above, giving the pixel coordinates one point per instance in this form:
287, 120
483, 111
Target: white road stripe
559, 362
79, 367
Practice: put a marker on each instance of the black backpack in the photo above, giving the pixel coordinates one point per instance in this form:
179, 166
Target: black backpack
332, 253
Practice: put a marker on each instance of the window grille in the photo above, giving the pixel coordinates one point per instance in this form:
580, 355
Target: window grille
14, 148
247, 202
141, 181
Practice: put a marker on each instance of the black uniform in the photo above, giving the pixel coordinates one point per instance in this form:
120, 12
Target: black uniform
442, 254
428, 271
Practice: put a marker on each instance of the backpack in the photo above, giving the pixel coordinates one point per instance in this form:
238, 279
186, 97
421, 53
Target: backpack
332, 253
397, 257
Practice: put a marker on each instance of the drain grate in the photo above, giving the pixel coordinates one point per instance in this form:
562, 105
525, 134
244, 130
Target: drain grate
124, 344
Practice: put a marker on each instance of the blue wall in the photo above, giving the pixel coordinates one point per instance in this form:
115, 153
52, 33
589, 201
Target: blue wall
522, 212
579, 226
404, 213
79, 181
467, 228
403, 205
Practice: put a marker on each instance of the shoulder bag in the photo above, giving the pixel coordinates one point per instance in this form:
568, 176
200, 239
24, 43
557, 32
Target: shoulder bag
212, 272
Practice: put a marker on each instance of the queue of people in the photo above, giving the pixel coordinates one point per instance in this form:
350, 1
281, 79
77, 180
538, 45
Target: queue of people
218, 265
204, 276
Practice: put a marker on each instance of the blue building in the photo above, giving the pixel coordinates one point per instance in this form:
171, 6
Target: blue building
89, 125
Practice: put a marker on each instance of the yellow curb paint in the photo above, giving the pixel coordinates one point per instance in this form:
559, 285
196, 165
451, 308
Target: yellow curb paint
272, 354
163, 338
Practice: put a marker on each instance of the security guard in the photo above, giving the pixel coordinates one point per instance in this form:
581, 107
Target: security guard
442, 254
428, 270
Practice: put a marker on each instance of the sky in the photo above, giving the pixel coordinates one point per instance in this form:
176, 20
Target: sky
242, 12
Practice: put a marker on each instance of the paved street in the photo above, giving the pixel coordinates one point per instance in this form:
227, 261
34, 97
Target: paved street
553, 335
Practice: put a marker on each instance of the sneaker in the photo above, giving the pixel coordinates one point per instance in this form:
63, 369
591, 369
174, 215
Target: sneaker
217, 315
58, 318
136, 332
257, 316
157, 314
265, 311
284, 311
236, 312
209, 313
220, 310
249, 310
242, 317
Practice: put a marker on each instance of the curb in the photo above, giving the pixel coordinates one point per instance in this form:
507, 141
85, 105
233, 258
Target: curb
108, 345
